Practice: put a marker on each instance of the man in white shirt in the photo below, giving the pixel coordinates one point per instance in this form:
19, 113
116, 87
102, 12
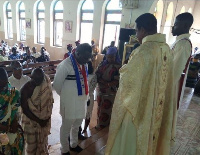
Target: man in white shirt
17, 79
71, 84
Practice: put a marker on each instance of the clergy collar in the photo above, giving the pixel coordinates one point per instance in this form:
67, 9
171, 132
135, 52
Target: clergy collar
182, 36
158, 37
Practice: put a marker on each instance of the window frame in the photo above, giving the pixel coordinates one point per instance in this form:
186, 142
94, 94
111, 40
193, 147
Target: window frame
7, 20
81, 17
20, 22
38, 22
54, 23
107, 12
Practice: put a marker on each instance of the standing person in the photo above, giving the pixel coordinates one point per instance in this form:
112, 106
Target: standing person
182, 50
108, 80
17, 79
37, 103
71, 84
8, 117
69, 48
137, 111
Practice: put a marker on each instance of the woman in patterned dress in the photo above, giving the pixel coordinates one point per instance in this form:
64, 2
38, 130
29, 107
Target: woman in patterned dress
108, 80
9, 126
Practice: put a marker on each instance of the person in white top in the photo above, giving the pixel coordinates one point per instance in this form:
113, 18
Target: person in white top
17, 79
71, 84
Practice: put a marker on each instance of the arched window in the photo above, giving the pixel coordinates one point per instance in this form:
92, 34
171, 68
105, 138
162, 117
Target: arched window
158, 13
86, 21
168, 20
40, 22
9, 21
112, 22
58, 23
182, 10
22, 22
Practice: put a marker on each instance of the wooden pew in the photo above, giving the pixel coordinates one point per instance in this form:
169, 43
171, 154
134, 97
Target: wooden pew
49, 67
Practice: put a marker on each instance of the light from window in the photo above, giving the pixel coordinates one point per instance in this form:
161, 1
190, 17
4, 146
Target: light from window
40, 23
58, 23
87, 10
9, 21
112, 23
22, 22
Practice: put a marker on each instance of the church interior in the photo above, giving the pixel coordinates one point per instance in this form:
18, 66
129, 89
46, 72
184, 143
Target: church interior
54, 24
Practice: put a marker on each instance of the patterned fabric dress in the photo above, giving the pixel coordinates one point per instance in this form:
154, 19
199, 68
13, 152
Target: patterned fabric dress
105, 94
8, 112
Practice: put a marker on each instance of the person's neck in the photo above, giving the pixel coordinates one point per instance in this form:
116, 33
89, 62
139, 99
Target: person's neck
186, 32
18, 78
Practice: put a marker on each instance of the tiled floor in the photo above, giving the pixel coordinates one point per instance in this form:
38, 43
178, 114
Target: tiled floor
188, 130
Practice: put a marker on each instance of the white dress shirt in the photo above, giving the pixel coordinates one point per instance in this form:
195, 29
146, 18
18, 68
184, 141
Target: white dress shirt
72, 106
18, 83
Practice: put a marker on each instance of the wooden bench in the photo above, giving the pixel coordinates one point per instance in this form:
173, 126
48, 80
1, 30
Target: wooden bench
49, 67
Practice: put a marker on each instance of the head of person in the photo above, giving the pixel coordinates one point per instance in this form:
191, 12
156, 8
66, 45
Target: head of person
37, 76
83, 53
28, 51
17, 69
112, 56
3, 80
34, 49
42, 50
92, 42
112, 44
14, 50
182, 24
146, 24
77, 42
69, 47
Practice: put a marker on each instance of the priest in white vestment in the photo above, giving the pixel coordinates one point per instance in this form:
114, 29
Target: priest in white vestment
140, 101
181, 50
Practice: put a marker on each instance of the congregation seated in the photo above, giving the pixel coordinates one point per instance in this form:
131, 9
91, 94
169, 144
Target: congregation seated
3, 56
35, 53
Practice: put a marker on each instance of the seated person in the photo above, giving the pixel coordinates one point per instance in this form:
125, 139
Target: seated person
3, 56
28, 57
43, 57
9, 126
14, 55
17, 79
35, 53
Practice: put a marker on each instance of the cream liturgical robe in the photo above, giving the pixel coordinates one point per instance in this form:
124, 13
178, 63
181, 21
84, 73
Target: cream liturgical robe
181, 51
140, 101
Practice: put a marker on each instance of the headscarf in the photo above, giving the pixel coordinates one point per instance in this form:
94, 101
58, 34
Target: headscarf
69, 45
112, 51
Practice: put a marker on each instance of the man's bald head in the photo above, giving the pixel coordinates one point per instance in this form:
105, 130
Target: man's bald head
37, 76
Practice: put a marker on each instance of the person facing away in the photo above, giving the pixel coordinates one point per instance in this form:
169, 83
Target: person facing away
14, 55
17, 79
37, 103
140, 99
71, 84
181, 50
69, 48
9, 127
43, 57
